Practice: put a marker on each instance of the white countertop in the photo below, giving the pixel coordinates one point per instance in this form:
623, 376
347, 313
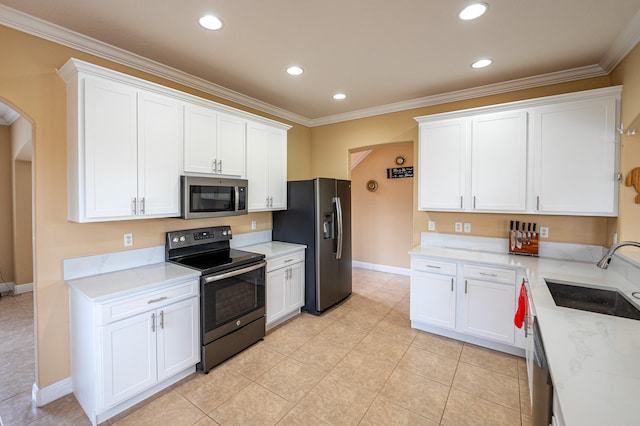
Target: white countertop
273, 249
594, 358
127, 281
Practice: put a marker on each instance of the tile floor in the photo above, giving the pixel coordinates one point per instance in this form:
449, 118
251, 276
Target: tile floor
360, 363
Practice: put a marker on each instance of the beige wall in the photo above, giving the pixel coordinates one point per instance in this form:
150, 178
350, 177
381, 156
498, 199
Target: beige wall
30, 85
330, 158
628, 74
382, 231
22, 244
6, 220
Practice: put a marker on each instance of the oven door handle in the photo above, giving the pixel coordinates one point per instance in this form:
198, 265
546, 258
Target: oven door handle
234, 273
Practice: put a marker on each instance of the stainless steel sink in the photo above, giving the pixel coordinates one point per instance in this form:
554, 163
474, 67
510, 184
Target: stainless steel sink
608, 302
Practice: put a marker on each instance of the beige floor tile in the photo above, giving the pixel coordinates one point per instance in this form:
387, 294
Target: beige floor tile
255, 361
489, 385
254, 405
310, 324
399, 317
298, 417
285, 340
19, 410
363, 321
381, 348
525, 398
387, 413
320, 353
337, 403
389, 330
430, 365
16, 382
170, 409
17, 359
490, 359
206, 421
64, 411
208, 391
362, 371
291, 379
526, 420
343, 335
438, 344
467, 410
416, 393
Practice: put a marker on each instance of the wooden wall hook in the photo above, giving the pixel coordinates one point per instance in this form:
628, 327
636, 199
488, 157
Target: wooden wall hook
633, 178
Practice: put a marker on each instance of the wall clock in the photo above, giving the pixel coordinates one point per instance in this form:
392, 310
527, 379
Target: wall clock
400, 160
372, 185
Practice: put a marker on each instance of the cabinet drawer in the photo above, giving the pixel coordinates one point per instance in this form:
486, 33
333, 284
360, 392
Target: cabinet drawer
279, 262
433, 266
507, 276
123, 308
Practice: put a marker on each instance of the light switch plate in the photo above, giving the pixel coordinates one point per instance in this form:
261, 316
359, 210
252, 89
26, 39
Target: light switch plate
467, 227
253, 225
432, 225
458, 227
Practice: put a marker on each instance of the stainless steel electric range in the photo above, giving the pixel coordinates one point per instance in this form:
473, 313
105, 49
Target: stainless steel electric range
232, 290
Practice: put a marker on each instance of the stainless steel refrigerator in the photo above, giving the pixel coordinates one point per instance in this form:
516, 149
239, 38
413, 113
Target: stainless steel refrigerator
319, 215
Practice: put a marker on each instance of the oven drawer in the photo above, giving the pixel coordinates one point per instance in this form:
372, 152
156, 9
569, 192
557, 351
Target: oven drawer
147, 301
282, 261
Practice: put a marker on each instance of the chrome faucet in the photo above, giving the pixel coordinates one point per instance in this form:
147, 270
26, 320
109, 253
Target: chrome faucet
606, 259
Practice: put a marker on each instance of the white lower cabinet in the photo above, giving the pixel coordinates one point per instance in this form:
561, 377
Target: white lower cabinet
125, 350
474, 303
285, 287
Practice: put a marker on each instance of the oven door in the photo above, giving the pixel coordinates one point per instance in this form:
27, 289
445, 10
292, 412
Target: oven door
230, 300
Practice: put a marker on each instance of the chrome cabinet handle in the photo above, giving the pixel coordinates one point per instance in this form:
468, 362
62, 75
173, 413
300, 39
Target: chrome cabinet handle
220, 166
153, 322
433, 266
474, 201
162, 319
133, 205
538, 202
267, 201
452, 284
214, 166
461, 201
159, 299
270, 201
142, 203
486, 274
465, 286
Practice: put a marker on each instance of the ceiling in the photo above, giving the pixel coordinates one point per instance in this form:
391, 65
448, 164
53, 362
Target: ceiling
385, 55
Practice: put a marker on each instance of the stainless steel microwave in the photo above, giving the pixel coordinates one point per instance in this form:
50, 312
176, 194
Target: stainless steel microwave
203, 197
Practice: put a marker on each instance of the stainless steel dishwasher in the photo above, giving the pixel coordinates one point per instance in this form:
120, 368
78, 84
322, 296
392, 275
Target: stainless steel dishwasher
542, 387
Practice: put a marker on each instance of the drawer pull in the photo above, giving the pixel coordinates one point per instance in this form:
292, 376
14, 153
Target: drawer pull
162, 319
433, 266
153, 322
159, 299
288, 260
452, 284
486, 274
465, 286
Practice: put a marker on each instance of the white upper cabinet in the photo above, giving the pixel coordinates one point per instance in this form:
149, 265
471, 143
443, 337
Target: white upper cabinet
553, 155
129, 140
266, 167
576, 157
499, 161
442, 163
214, 142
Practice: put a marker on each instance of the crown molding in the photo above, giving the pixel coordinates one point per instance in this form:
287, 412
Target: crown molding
12, 18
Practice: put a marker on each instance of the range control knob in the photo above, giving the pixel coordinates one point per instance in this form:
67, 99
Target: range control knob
183, 239
175, 239
224, 233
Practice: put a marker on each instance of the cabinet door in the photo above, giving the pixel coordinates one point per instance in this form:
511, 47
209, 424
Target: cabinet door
488, 310
231, 145
499, 161
433, 299
200, 130
129, 357
178, 337
276, 294
296, 287
110, 160
160, 136
442, 165
576, 157
258, 167
277, 169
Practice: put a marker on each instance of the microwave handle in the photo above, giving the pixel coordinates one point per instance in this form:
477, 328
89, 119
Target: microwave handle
237, 190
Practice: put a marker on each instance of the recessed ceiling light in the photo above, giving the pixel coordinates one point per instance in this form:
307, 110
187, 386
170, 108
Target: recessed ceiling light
295, 70
473, 11
339, 96
210, 22
481, 63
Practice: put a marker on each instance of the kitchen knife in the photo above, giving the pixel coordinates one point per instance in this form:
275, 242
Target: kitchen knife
534, 230
518, 235
529, 233
512, 236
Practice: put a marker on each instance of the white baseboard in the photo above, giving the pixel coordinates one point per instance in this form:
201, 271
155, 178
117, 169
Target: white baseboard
42, 397
381, 268
22, 288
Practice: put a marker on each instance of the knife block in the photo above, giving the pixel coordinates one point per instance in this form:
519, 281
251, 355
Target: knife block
529, 246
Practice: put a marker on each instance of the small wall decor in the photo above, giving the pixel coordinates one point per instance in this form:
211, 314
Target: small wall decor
372, 185
400, 159
400, 172
633, 178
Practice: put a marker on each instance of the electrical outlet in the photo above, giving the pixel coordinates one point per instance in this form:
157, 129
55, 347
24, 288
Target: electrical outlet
544, 232
128, 240
432, 225
467, 227
253, 225
458, 227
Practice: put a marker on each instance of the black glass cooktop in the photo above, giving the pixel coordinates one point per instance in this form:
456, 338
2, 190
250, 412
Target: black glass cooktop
217, 261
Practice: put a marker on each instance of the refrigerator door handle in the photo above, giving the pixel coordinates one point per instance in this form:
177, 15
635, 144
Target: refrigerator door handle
336, 200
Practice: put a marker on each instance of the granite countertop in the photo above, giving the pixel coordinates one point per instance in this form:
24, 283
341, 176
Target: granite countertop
101, 287
594, 359
273, 249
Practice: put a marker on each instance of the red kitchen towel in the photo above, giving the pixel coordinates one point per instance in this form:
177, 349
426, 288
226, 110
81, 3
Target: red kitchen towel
518, 319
